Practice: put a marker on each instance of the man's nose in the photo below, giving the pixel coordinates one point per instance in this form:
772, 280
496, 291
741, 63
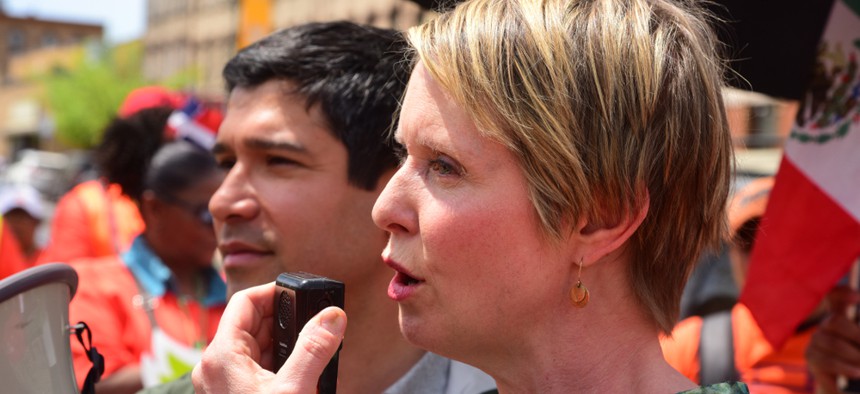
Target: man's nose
235, 199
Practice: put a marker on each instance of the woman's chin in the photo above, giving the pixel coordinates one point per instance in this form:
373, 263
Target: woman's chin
416, 330
425, 334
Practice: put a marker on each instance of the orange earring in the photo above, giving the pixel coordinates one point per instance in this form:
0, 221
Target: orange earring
579, 293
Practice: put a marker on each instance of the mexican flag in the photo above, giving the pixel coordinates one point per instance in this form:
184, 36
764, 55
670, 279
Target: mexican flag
810, 233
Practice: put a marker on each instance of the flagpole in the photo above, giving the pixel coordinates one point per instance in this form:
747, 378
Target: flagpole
851, 312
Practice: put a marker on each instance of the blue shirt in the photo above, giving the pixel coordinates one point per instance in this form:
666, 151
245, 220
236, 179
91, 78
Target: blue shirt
156, 278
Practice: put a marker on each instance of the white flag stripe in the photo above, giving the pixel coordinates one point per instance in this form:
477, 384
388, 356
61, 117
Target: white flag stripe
834, 165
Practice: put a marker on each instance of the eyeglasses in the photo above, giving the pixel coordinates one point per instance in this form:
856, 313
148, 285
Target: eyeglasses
199, 211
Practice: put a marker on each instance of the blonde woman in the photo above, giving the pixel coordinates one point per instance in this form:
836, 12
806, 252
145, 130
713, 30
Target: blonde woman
565, 163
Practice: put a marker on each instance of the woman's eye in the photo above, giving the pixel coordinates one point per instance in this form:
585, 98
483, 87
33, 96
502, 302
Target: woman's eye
442, 167
400, 153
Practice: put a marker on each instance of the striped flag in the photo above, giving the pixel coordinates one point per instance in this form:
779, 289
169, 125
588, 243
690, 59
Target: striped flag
196, 123
810, 234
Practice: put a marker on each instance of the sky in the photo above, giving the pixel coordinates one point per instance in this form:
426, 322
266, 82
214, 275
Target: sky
123, 20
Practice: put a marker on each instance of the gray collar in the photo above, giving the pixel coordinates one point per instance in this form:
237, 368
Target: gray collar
428, 376
434, 374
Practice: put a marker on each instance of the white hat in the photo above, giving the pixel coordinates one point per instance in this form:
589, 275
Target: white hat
22, 196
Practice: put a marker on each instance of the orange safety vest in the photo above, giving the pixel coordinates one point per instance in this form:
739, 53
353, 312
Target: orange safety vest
92, 220
109, 301
762, 368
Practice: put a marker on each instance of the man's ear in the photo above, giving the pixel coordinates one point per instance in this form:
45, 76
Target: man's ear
602, 239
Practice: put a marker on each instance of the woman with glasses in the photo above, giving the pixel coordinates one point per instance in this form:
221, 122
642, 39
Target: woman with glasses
154, 309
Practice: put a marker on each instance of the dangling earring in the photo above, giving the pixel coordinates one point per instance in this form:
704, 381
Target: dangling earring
579, 293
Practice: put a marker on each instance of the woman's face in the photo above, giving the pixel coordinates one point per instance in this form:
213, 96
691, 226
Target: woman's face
472, 267
182, 224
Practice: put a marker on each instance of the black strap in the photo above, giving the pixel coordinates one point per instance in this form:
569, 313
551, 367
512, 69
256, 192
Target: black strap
717, 350
98, 368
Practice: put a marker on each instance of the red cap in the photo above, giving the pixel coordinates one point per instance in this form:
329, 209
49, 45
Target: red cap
149, 97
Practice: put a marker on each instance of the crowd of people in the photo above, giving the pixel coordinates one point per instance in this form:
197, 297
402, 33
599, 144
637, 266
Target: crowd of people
531, 181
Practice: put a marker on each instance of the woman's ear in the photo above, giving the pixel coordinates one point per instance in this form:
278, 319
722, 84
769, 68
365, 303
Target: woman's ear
602, 239
149, 205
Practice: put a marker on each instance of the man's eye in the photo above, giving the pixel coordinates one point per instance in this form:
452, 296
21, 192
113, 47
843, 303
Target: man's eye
279, 160
225, 164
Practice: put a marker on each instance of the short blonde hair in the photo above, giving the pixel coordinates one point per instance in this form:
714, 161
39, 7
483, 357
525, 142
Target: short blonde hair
600, 100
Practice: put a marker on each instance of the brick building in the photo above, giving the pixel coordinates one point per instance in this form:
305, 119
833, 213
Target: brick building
28, 46
195, 38
22, 35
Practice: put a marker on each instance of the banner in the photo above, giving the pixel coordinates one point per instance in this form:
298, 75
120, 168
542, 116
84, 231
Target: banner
255, 21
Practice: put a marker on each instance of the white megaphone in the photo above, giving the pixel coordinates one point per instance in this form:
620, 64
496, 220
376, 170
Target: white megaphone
35, 355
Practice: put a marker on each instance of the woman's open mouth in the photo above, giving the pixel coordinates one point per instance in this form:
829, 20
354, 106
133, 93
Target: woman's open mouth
403, 285
405, 279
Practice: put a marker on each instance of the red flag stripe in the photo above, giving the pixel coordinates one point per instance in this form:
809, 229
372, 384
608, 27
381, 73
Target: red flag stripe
805, 243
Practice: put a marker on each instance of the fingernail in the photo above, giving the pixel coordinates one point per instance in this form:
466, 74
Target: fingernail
334, 323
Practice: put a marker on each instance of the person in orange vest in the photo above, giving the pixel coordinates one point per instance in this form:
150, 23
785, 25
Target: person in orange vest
729, 345
97, 217
152, 309
11, 258
23, 211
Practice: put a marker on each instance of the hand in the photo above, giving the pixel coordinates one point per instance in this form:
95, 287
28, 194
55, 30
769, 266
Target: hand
124, 380
835, 348
236, 360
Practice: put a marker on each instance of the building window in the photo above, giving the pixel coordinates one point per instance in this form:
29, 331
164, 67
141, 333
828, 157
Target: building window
17, 41
49, 39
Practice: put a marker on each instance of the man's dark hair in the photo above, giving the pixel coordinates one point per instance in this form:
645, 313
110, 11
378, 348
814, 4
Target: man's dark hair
357, 74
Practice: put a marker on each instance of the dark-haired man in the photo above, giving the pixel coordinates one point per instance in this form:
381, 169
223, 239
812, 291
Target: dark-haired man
304, 142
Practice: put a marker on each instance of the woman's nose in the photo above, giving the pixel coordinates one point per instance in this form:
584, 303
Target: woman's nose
394, 209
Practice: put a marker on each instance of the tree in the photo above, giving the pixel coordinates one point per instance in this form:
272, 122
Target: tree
83, 98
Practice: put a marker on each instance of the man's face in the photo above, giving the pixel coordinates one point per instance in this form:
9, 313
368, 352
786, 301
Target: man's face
286, 204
